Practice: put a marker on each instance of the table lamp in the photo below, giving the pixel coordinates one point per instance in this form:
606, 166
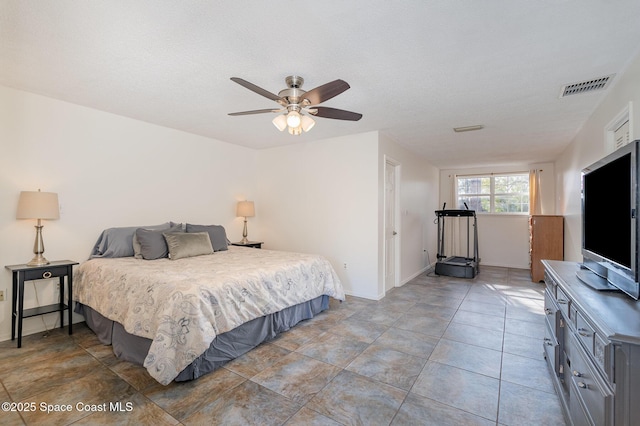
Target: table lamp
38, 205
245, 209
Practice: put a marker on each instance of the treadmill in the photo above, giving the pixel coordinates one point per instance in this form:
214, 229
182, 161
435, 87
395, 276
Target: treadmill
457, 266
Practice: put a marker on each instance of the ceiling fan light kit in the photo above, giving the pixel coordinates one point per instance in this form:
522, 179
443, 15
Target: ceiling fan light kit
295, 121
297, 105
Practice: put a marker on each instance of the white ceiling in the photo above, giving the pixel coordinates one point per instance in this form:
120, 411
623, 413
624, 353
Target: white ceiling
417, 68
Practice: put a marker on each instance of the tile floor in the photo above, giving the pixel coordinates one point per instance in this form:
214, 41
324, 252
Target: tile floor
437, 351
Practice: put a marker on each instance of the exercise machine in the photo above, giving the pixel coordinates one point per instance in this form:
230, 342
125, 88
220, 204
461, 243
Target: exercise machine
458, 266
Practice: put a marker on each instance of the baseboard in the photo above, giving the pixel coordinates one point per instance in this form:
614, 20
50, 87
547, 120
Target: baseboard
362, 296
420, 272
34, 325
504, 266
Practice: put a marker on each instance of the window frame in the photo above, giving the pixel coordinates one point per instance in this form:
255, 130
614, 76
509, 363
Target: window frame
492, 193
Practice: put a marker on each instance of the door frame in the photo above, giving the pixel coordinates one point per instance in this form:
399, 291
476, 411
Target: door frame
397, 169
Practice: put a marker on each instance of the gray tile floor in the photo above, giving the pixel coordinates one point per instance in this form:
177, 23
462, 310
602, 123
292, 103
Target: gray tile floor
437, 351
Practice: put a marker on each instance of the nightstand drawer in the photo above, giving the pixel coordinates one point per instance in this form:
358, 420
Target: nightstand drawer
44, 273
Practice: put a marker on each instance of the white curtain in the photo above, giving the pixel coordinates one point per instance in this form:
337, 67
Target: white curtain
535, 206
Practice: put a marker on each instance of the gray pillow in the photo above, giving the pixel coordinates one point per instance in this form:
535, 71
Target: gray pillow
217, 235
118, 242
164, 227
182, 244
181, 225
152, 242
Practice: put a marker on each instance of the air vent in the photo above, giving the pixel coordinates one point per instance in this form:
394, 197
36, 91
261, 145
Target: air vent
468, 128
586, 86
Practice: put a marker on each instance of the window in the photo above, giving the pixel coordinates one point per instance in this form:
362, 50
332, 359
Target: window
506, 193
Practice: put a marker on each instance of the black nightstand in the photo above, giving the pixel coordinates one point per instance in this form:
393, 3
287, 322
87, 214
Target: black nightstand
252, 244
22, 273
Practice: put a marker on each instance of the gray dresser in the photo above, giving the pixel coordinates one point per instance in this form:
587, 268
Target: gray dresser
592, 347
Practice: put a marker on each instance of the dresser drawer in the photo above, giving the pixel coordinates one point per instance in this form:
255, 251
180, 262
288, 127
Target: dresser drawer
44, 273
550, 283
579, 413
573, 314
602, 355
550, 310
552, 349
596, 345
585, 332
587, 387
563, 302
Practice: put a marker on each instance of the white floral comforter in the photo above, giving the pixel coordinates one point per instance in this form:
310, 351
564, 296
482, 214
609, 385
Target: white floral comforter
181, 305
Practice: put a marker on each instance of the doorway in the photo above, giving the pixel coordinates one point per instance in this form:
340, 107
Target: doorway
391, 223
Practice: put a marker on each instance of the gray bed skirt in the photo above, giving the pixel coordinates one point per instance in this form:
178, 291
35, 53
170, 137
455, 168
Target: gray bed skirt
224, 347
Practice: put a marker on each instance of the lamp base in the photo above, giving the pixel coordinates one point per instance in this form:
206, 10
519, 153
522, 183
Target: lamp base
38, 248
38, 260
244, 239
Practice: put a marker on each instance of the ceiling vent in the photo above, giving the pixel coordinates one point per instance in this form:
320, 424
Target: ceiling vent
468, 128
586, 86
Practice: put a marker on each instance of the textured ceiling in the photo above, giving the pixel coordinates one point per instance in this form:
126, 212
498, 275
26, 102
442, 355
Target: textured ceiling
417, 68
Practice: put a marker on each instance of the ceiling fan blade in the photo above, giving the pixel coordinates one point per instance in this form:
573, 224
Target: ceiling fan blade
256, 89
325, 92
338, 114
255, 111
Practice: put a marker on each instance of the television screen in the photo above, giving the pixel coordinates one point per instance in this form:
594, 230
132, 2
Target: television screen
607, 211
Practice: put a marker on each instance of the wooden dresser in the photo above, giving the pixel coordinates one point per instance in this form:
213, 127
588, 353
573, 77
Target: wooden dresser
546, 241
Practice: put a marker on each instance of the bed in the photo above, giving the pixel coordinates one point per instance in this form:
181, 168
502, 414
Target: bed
183, 316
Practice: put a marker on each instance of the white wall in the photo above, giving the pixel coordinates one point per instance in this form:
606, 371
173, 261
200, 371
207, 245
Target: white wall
322, 197
503, 240
108, 171
588, 146
327, 197
417, 201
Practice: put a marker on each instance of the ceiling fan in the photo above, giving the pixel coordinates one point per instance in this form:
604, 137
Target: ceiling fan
297, 105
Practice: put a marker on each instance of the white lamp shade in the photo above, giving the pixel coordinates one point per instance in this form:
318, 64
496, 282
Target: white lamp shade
307, 123
245, 209
280, 122
38, 205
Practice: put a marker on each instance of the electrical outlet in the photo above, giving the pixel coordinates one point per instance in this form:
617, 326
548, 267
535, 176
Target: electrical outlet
345, 266
1, 295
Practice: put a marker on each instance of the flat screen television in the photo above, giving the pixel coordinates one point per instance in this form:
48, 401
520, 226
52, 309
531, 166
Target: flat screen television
610, 231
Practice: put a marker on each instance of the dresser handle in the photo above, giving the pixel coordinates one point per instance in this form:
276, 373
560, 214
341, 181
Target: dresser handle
548, 311
47, 274
584, 332
582, 385
548, 341
576, 373
562, 301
